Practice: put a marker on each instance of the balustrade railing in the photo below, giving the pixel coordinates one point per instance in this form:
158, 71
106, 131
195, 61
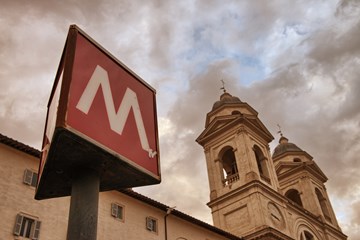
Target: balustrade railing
231, 179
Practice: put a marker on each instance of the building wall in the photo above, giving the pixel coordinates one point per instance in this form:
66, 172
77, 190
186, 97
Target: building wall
17, 197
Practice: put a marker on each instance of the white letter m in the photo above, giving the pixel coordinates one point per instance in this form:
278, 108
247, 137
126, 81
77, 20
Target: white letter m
117, 119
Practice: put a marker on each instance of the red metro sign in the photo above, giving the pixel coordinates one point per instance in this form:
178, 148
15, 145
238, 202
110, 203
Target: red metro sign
100, 81
112, 107
101, 116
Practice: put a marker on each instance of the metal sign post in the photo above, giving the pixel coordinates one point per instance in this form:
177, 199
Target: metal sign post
83, 215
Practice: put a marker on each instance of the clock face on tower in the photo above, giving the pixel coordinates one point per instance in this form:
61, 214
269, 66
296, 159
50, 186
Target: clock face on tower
275, 215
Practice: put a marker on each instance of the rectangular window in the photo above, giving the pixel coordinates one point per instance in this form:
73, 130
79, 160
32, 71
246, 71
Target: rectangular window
151, 224
30, 177
27, 227
117, 211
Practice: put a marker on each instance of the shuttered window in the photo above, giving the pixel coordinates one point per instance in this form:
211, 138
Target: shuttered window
27, 227
151, 224
30, 177
117, 211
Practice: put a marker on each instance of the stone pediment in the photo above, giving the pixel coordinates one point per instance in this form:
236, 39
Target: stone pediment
256, 125
256, 122
226, 122
284, 169
219, 123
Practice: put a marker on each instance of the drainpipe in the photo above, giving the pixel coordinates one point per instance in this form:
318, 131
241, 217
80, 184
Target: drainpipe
168, 212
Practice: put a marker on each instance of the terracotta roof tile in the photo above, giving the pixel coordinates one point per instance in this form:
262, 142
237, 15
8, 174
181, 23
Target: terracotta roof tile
19, 146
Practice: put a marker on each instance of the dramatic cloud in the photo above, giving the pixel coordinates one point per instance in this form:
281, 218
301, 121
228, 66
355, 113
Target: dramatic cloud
296, 62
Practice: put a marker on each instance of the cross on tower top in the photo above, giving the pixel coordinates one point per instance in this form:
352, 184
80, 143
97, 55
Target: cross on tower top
280, 132
223, 86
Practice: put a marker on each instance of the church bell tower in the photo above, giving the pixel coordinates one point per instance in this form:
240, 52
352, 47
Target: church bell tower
246, 196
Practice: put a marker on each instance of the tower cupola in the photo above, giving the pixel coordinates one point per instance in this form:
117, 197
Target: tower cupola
225, 98
285, 146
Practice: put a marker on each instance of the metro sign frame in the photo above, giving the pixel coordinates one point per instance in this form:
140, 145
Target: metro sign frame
101, 116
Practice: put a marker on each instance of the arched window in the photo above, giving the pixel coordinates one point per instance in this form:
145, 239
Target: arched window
229, 165
297, 160
322, 203
294, 196
235, 113
261, 163
305, 235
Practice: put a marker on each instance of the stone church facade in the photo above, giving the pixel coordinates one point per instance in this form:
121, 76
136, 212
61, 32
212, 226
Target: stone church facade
258, 195
253, 194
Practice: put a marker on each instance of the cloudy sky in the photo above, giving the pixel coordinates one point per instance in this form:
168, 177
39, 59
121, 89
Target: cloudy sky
296, 62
